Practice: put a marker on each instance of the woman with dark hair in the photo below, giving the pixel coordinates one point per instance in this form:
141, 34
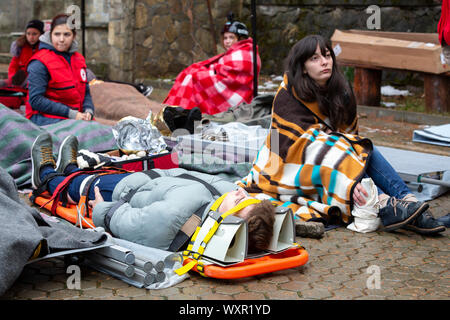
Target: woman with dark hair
221, 82
318, 160
22, 49
57, 84
13, 89
322, 82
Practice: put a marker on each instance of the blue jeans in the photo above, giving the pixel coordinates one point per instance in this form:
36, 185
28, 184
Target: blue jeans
106, 183
385, 177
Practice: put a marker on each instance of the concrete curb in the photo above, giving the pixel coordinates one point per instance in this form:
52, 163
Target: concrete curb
405, 116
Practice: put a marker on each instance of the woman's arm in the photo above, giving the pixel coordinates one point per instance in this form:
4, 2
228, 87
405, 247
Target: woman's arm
88, 104
13, 67
38, 78
15, 51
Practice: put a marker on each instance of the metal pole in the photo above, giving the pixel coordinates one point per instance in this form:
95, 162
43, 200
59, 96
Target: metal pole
83, 26
147, 266
146, 278
433, 181
255, 60
115, 265
213, 29
159, 266
116, 252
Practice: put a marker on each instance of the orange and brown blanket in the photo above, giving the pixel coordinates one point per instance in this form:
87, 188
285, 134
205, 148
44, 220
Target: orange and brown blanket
303, 167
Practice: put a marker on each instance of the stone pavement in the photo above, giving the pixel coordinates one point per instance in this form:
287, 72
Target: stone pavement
342, 265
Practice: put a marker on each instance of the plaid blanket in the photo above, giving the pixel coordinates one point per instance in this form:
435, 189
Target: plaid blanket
302, 167
17, 135
216, 84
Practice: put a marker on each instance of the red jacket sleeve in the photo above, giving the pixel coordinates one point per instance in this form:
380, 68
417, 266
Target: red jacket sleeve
13, 67
444, 23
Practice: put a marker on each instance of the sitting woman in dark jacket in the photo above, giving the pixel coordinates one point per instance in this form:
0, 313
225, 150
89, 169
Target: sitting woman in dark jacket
57, 81
22, 50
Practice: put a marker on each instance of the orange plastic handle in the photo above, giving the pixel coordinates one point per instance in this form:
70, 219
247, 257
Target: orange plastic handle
291, 258
68, 213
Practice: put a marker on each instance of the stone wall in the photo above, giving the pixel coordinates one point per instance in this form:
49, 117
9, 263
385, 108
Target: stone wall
14, 15
281, 23
170, 35
121, 40
133, 40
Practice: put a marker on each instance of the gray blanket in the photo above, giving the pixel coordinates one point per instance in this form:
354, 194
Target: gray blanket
17, 135
24, 232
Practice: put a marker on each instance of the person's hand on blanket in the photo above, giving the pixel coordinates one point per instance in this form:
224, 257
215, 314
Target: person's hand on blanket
98, 198
87, 116
83, 116
359, 194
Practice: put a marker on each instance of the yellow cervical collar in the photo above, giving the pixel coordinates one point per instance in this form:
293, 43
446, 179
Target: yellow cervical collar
197, 255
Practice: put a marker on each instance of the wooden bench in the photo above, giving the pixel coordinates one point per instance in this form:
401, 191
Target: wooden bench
368, 68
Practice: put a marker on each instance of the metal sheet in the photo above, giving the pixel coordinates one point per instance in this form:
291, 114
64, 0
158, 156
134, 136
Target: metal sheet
416, 163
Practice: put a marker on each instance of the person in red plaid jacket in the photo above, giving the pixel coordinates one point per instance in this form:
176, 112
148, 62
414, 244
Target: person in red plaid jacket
221, 82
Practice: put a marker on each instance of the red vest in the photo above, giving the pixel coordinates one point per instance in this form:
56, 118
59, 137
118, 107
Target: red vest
21, 62
67, 83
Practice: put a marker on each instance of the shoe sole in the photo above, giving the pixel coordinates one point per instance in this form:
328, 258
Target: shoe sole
400, 224
425, 231
32, 166
58, 161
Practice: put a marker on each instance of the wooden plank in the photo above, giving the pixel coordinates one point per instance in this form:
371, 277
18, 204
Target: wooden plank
408, 36
383, 52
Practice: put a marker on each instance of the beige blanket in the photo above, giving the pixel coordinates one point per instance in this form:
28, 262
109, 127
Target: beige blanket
113, 101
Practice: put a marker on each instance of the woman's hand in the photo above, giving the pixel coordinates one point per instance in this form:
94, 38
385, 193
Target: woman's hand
83, 116
88, 116
98, 198
79, 116
358, 195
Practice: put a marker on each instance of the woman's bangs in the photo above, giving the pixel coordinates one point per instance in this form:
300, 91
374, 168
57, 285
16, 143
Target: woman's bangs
324, 46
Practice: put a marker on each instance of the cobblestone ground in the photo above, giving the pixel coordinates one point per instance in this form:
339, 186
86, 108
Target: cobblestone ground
342, 265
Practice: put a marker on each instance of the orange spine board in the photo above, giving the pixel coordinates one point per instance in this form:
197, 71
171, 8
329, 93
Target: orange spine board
68, 213
290, 258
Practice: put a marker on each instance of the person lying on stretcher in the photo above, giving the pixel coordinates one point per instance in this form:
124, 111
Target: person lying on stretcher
160, 206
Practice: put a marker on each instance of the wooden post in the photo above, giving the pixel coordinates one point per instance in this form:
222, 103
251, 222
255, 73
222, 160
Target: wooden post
366, 85
437, 93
